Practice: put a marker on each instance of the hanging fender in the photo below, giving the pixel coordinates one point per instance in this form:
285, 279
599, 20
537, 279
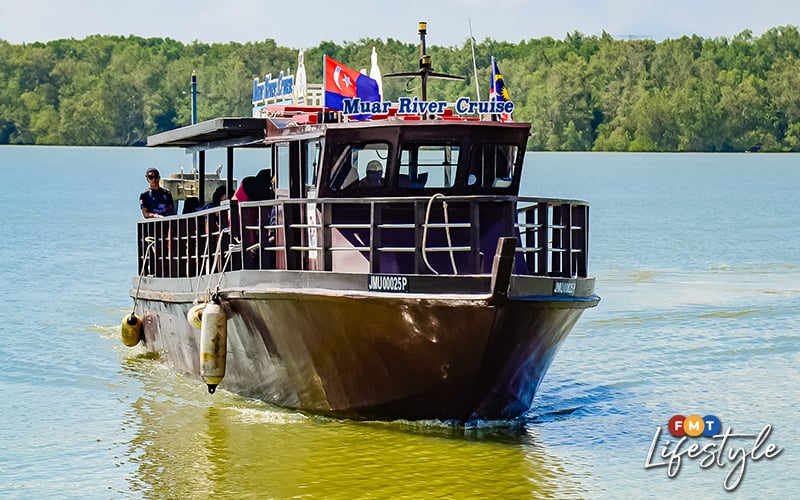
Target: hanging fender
213, 345
195, 315
131, 330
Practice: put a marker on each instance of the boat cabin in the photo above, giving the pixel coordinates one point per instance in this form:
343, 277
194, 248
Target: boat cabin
396, 160
395, 195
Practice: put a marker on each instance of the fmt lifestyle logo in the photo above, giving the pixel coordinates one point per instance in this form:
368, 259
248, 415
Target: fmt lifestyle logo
701, 438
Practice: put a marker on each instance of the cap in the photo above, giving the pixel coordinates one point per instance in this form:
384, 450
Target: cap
152, 170
374, 166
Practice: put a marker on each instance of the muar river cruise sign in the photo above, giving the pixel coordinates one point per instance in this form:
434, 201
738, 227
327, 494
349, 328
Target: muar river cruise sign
413, 106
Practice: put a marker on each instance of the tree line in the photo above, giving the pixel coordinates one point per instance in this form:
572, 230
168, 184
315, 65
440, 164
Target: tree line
582, 93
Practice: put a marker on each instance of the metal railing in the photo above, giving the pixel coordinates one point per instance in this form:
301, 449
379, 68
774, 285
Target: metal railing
371, 235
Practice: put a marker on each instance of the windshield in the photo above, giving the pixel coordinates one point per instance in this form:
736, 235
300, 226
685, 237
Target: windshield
428, 166
492, 165
360, 167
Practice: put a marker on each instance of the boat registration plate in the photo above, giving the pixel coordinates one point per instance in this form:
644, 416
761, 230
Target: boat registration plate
564, 288
388, 283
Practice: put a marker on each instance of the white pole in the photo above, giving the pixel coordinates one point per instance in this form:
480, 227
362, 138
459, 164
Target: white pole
474, 64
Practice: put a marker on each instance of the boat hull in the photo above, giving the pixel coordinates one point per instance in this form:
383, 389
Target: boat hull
356, 354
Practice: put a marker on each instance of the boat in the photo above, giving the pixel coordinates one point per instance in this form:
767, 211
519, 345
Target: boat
186, 185
390, 270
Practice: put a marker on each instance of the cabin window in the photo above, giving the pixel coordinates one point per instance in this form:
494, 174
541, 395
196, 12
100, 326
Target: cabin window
359, 167
492, 165
428, 166
282, 158
313, 155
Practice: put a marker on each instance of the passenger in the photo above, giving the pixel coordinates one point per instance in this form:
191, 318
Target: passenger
190, 204
247, 189
156, 201
220, 194
374, 177
263, 186
212, 223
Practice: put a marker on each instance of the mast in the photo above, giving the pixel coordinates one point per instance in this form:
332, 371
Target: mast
425, 69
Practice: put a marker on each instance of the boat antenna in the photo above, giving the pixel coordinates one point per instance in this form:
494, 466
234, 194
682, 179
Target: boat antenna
474, 64
425, 70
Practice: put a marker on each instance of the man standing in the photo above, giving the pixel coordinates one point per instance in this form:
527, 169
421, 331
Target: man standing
155, 201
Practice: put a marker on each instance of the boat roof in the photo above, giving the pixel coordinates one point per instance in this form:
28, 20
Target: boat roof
291, 123
215, 133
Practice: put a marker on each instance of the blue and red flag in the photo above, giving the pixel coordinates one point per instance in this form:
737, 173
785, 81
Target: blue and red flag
499, 92
342, 82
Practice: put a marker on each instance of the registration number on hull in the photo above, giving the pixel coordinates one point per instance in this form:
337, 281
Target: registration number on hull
564, 288
388, 283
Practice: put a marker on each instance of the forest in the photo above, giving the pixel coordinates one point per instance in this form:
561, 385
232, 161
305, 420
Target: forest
582, 93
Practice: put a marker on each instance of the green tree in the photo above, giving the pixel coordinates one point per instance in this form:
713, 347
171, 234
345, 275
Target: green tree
579, 93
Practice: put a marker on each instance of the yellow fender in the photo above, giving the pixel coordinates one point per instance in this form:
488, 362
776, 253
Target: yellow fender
131, 330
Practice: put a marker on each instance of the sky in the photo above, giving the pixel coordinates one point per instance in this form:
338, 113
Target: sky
306, 23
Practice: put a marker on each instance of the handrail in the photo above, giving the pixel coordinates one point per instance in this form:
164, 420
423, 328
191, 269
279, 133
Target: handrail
378, 235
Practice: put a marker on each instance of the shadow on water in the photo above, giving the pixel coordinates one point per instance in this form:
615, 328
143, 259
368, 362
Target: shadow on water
187, 443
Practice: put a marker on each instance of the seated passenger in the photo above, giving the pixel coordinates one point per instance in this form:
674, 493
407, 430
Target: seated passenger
263, 187
374, 177
216, 199
247, 189
190, 204
254, 188
155, 201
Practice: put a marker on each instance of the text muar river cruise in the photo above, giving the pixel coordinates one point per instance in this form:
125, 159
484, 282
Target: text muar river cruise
390, 270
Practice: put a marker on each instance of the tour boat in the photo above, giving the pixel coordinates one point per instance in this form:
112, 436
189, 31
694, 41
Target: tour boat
387, 268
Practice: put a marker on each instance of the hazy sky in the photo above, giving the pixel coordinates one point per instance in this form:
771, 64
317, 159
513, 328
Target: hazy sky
305, 23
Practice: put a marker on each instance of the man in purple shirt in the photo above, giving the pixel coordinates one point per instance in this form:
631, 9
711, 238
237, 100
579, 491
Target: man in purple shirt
156, 201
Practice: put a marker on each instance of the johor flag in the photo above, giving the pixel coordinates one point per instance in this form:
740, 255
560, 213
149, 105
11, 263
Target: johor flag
499, 92
342, 82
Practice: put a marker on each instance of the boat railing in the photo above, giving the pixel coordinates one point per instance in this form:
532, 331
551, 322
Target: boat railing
185, 246
415, 235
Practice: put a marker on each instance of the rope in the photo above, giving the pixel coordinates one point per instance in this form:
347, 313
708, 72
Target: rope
151, 245
210, 270
446, 230
203, 266
237, 247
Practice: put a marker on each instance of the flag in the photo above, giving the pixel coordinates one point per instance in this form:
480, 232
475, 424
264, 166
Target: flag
498, 91
342, 82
